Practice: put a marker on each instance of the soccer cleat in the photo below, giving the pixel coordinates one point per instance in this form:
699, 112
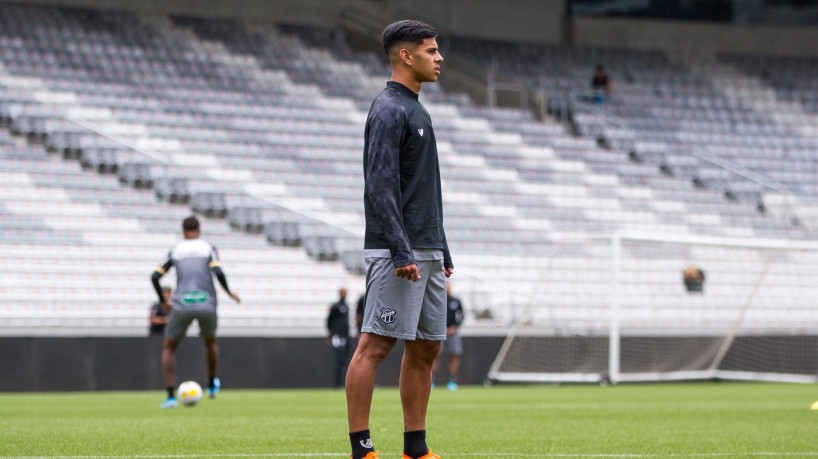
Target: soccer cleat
371, 455
429, 455
213, 390
451, 385
169, 403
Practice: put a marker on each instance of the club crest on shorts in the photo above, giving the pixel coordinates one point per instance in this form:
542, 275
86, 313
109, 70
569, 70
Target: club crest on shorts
387, 315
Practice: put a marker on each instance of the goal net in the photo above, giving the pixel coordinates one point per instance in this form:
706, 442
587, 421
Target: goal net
637, 307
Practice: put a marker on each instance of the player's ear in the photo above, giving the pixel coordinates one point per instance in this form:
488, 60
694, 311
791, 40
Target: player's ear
405, 56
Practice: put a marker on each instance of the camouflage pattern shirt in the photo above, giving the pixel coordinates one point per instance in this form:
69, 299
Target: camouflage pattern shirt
402, 193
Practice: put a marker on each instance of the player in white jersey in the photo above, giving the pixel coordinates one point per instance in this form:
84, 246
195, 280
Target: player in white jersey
194, 298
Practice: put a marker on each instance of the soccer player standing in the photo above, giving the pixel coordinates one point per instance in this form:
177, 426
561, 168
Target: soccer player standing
405, 246
195, 261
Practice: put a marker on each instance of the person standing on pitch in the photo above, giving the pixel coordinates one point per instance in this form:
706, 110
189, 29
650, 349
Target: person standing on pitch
453, 346
159, 313
338, 335
195, 261
405, 246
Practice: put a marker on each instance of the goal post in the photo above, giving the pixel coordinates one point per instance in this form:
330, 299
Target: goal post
650, 307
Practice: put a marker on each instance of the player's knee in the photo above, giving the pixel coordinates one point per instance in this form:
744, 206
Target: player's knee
374, 348
373, 354
169, 345
424, 351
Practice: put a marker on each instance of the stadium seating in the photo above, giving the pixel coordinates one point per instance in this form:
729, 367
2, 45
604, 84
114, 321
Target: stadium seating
131, 123
740, 125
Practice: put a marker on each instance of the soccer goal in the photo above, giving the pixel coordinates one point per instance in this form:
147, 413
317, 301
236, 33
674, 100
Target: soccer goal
641, 307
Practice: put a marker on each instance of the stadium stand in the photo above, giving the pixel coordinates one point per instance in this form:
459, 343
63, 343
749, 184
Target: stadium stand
130, 123
695, 116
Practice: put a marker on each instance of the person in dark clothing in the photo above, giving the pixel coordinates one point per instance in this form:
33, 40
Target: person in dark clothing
405, 247
359, 314
600, 85
338, 335
159, 314
453, 346
693, 278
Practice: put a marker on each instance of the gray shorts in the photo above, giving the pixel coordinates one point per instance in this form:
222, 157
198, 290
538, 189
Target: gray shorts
399, 308
180, 320
453, 344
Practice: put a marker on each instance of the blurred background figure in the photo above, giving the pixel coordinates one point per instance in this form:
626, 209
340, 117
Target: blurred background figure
338, 335
693, 278
359, 313
453, 346
600, 85
159, 313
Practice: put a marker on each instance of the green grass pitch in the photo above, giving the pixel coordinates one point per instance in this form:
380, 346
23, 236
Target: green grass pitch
697, 420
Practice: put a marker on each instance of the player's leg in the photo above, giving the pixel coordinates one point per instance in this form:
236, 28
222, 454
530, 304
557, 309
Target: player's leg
418, 359
212, 356
169, 364
388, 316
416, 382
175, 331
360, 383
208, 322
435, 366
454, 349
339, 350
169, 371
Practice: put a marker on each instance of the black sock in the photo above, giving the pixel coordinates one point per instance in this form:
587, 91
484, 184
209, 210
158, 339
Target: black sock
171, 393
361, 444
414, 444
210, 381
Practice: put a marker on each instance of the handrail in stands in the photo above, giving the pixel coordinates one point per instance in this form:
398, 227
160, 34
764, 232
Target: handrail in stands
124, 142
698, 152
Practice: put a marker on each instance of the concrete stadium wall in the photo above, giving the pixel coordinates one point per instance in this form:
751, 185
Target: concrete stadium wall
524, 20
541, 21
528, 20
80, 364
84, 364
675, 36
264, 11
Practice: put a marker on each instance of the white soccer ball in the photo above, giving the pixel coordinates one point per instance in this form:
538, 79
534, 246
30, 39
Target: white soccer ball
189, 393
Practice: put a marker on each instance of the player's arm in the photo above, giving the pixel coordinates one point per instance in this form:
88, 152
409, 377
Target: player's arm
215, 266
157, 274
333, 311
155, 318
448, 265
382, 182
330, 316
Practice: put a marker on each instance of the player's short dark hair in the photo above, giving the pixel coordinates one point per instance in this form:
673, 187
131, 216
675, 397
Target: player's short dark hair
406, 31
190, 224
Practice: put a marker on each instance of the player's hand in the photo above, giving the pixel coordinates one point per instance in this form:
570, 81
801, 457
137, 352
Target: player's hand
450, 331
448, 272
235, 297
410, 272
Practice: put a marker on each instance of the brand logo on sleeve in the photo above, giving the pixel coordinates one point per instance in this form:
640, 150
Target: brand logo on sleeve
420, 131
